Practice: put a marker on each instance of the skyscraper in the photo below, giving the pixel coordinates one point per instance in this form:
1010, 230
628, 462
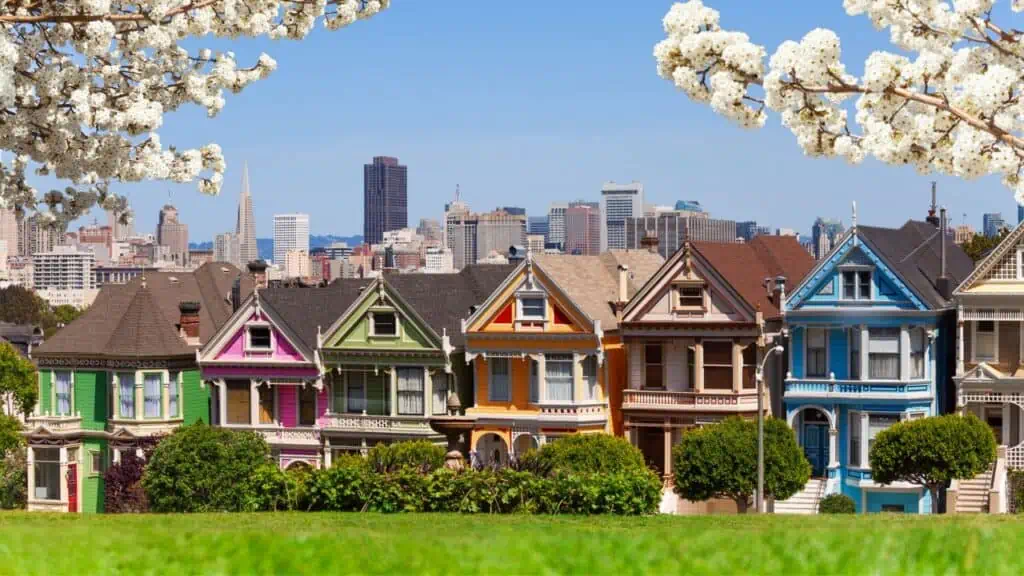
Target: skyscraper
992, 224
9, 230
749, 230
1020, 213
226, 248
173, 234
619, 202
245, 229
824, 234
556, 224
538, 225
498, 231
385, 198
583, 228
673, 228
291, 232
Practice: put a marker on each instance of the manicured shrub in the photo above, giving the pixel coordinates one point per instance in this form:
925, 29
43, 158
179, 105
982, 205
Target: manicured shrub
419, 455
837, 504
123, 492
342, 487
13, 480
587, 453
931, 452
720, 461
200, 468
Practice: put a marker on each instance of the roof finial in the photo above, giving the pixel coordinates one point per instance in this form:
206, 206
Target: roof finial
854, 214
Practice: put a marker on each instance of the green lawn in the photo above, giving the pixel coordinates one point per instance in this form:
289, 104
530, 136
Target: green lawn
406, 543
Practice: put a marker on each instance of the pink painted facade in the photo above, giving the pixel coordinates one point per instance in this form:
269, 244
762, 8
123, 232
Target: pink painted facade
264, 372
282, 351
322, 403
288, 405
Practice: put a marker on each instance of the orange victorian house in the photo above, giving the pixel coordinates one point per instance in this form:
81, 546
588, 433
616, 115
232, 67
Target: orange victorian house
544, 348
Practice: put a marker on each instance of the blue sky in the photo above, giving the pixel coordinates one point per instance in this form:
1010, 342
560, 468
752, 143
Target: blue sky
523, 105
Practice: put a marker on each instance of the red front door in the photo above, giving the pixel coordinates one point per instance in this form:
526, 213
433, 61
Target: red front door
72, 487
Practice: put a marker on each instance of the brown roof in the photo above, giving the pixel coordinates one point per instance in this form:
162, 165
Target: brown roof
133, 320
592, 282
745, 266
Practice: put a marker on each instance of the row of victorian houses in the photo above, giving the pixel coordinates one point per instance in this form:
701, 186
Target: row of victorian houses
625, 343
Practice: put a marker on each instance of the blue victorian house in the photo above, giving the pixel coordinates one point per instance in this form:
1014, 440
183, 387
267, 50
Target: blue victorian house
872, 342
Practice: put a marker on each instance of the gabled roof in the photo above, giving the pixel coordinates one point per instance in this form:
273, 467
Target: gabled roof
136, 319
993, 258
592, 282
305, 310
913, 252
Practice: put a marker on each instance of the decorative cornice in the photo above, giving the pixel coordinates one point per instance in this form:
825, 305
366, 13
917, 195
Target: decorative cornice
187, 362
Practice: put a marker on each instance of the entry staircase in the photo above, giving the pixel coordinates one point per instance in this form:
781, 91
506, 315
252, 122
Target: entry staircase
972, 497
805, 501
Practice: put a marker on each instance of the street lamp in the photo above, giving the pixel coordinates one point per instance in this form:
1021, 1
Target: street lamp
759, 377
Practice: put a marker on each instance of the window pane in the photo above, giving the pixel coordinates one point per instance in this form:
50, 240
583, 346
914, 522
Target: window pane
355, 400
378, 395
384, 324
152, 383
126, 390
498, 390
849, 286
47, 474
864, 285
172, 396
817, 356
534, 382
440, 389
238, 401
558, 374
877, 423
884, 353
266, 404
917, 349
307, 405
62, 388
410, 391
855, 354
855, 434
691, 297
653, 371
590, 376
259, 337
532, 307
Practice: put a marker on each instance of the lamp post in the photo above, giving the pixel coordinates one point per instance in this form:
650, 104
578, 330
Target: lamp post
759, 376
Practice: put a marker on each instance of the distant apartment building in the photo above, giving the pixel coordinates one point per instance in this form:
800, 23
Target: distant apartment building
172, 233
338, 251
454, 212
535, 243
962, 234
498, 230
385, 198
9, 230
556, 224
197, 258
120, 274
462, 237
537, 225
992, 224
583, 228
438, 261
619, 202
430, 230
673, 229
65, 275
514, 210
296, 264
749, 230
36, 235
291, 232
227, 248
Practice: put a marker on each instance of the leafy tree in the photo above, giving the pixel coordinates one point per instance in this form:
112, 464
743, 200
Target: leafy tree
930, 452
720, 461
18, 379
66, 314
980, 245
23, 306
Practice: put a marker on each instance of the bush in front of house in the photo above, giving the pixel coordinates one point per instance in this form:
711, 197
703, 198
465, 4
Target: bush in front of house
585, 454
200, 468
122, 485
931, 452
837, 504
419, 455
13, 480
720, 461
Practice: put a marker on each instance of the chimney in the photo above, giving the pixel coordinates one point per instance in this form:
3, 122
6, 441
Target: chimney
258, 272
623, 283
779, 291
932, 218
650, 241
236, 294
188, 324
943, 284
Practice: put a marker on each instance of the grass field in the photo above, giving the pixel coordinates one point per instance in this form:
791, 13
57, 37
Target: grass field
369, 543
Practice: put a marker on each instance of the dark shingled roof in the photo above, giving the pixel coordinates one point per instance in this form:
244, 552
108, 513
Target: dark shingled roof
913, 251
442, 300
132, 321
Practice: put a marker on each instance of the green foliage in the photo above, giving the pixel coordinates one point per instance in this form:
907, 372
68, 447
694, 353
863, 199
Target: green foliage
269, 489
931, 452
586, 453
837, 504
200, 468
23, 306
13, 480
980, 245
418, 455
1015, 485
18, 378
10, 435
720, 461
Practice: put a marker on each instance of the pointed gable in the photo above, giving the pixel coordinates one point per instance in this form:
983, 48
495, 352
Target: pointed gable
529, 301
381, 319
234, 342
1000, 269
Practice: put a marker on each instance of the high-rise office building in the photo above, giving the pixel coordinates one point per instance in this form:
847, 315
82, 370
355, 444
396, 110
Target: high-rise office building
173, 234
749, 230
1020, 213
583, 228
497, 231
992, 224
35, 235
454, 212
462, 236
227, 248
556, 224
245, 229
385, 198
514, 210
824, 235
674, 228
64, 268
291, 232
430, 229
538, 225
9, 230
619, 202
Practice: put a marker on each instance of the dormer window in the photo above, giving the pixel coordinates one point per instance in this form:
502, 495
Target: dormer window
532, 308
856, 284
691, 297
259, 338
384, 324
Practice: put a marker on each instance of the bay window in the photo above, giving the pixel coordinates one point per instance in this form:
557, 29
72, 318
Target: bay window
863, 431
355, 394
590, 376
985, 341
46, 469
884, 353
817, 353
172, 396
534, 382
558, 377
126, 393
917, 348
238, 401
152, 397
62, 390
717, 365
410, 391
498, 388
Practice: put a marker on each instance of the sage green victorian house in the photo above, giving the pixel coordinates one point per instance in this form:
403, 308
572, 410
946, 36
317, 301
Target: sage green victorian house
120, 375
392, 358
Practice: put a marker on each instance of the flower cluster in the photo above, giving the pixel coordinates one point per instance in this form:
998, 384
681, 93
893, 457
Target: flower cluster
956, 107
85, 84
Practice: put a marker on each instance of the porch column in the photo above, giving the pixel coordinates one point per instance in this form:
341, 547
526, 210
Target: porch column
393, 391
30, 458
222, 402
833, 447
737, 366
428, 394
960, 344
254, 402
698, 366
327, 455
165, 396
140, 398
865, 347
1006, 424
578, 393
62, 479
904, 353
542, 379
667, 470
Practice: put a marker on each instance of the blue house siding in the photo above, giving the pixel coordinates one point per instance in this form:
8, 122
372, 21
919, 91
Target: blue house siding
838, 352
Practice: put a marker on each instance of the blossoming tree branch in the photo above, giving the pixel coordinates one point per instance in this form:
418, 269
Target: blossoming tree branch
85, 84
955, 107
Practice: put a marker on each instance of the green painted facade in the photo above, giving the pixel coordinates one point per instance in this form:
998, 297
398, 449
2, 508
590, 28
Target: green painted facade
196, 399
93, 486
354, 331
91, 389
45, 387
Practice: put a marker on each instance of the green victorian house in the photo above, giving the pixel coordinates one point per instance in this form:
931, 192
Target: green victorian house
120, 375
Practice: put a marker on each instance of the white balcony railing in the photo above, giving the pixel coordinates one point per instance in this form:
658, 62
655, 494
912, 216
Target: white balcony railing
803, 388
572, 409
715, 401
376, 424
54, 423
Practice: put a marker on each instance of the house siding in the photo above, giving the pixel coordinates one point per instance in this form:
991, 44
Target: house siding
91, 399
92, 482
287, 406
45, 387
195, 398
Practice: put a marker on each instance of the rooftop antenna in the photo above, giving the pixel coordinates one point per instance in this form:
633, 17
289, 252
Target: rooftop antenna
458, 194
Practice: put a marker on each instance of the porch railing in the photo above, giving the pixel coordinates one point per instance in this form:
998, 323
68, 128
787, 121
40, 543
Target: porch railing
672, 400
55, 423
369, 423
572, 409
855, 387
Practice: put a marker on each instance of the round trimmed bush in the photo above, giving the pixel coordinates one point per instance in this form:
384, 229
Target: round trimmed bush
837, 504
585, 454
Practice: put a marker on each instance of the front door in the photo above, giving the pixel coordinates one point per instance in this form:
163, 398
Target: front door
72, 487
651, 442
816, 447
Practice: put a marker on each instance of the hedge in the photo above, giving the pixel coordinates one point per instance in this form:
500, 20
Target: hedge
585, 454
837, 504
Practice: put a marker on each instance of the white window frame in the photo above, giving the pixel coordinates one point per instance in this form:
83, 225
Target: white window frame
373, 324
163, 378
248, 337
33, 493
855, 427
591, 387
120, 396
176, 384
71, 392
911, 331
562, 358
418, 370
490, 380
677, 300
857, 295
521, 309
807, 347
93, 455
900, 354
995, 342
